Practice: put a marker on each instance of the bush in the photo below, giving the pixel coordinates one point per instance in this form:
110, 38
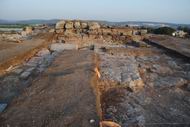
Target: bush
185, 29
164, 30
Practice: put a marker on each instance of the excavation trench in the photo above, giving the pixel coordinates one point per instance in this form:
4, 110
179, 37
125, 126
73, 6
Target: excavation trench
73, 91
101, 90
165, 75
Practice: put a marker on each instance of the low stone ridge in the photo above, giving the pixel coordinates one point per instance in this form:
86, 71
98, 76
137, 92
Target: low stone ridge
86, 30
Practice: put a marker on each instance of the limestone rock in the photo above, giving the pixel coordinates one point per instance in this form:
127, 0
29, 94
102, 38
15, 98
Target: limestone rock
43, 52
59, 31
28, 30
77, 25
18, 71
161, 69
84, 25
94, 26
169, 81
69, 32
25, 75
136, 84
60, 25
69, 25
33, 62
58, 47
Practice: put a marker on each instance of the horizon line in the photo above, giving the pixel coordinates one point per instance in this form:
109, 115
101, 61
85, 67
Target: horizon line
164, 22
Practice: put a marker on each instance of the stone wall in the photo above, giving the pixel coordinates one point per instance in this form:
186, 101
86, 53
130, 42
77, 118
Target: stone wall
75, 30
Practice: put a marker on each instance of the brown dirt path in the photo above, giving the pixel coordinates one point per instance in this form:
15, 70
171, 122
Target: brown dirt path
61, 97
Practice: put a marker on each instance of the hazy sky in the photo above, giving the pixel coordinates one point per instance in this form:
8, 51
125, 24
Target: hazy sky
175, 11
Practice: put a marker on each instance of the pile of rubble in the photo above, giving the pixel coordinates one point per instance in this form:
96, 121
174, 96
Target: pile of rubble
11, 37
15, 36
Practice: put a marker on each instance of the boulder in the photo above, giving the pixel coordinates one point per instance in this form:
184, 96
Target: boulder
25, 75
136, 85
94, 26
43, 52
84, 25
77, 25
59, 31
28, 30
60, 25
58, 47
69, 25
69, 32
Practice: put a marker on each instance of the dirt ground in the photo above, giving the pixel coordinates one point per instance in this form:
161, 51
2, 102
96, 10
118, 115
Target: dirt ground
12, 53
137, 87
176, 44
164, 100
61, 96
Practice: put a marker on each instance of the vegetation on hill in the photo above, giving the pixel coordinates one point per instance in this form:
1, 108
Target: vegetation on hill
13, 26
164, 30
185, 29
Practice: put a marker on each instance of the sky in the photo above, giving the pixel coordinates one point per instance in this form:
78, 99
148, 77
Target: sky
173, 11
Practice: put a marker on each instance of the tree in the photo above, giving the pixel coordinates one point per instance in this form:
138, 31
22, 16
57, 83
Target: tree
185, 29
164, 30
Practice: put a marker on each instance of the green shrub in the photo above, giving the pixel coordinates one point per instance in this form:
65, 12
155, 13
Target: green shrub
164, 30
